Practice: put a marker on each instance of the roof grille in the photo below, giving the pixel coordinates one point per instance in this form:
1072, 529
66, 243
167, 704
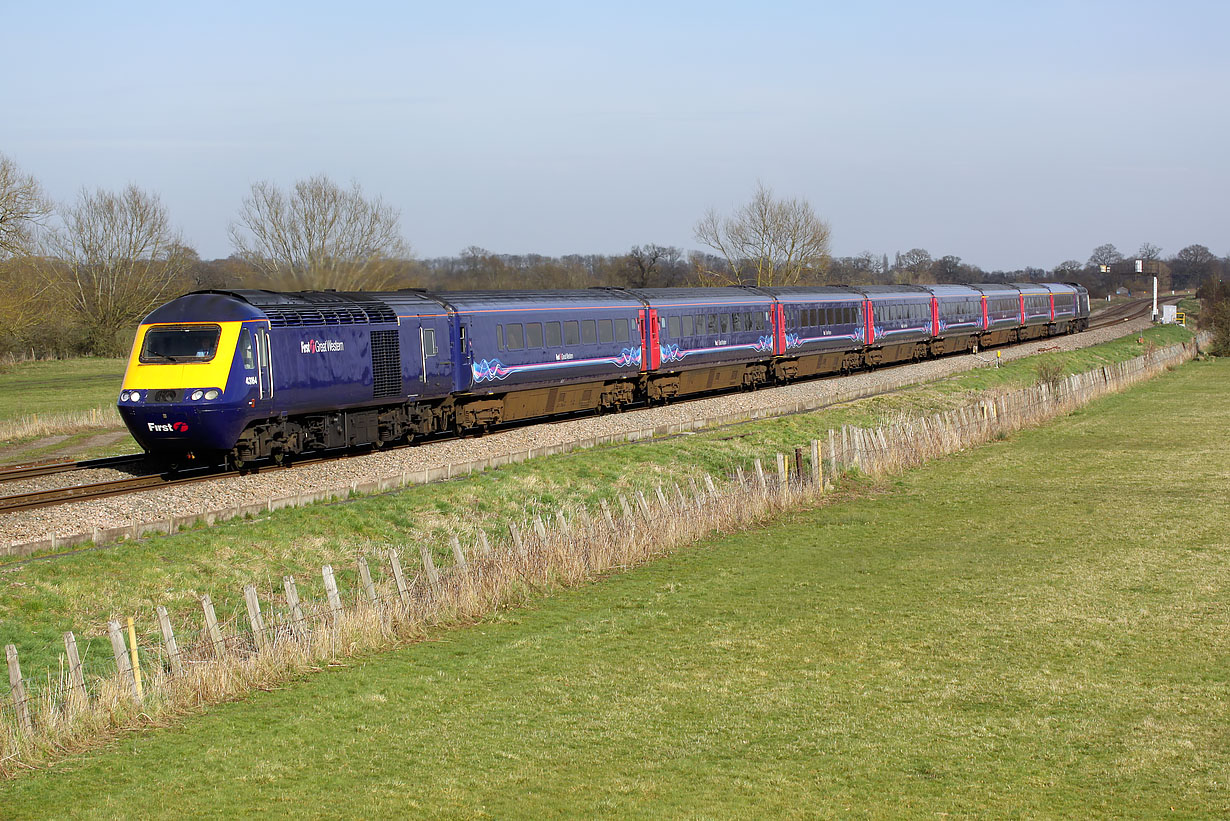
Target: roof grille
339, 313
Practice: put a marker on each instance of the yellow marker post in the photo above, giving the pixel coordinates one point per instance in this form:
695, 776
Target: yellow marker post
136, 664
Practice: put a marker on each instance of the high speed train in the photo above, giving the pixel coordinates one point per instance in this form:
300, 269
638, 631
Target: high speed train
248, 375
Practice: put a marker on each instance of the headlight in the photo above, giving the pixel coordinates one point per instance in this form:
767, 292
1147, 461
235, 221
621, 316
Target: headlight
135, 396
197, 395
124, 396
211, 394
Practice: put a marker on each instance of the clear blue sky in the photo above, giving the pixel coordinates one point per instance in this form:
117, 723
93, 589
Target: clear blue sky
1009, 134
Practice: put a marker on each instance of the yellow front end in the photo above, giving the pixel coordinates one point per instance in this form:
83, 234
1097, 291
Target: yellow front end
144, 376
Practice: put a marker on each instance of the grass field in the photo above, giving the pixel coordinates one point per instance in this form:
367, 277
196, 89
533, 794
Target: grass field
1036, 627
58, 407
40, 600
59, 386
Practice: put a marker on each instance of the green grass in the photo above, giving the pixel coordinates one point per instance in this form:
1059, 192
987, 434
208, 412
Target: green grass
40, 600
973, 638
59, 386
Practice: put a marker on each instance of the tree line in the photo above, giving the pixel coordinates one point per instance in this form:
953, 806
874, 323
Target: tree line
77, 277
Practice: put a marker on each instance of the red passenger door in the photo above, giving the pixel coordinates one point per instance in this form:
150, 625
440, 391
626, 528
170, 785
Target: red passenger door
779, 329
869, 321
935, 317
651, 353
986, 322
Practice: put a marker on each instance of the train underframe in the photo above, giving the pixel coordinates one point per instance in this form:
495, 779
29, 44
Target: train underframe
281, 439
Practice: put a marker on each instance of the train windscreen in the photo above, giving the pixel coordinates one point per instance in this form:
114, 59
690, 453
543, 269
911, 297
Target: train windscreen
188, 343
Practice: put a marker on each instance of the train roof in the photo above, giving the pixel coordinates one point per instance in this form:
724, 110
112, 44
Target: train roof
1031, 287
204, 306
470, 301
804, 293
952, 290
995, 288
664, 297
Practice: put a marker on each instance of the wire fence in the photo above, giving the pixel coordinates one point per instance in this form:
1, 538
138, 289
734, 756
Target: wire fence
158, 666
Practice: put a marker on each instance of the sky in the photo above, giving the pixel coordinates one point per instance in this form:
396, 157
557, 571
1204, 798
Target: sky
1009, 134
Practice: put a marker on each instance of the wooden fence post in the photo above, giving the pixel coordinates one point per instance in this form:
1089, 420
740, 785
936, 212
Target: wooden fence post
18, 688
211, 626
76, 677
459, 557
429, 566
662, 497
297, 627
709, 486
540, 530
606, 514
136, 660
761, 481
515, 532
335, 600
254, 617
123, 664
168, 639
817, 472
781, 471
561, 521
798, 466
623, 503
643, 506
832, 455
365, 579
399, 579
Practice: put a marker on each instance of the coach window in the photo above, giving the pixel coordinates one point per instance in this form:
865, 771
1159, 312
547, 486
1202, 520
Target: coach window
514, 336
673, 327
533, 335
688, 324
554, 338
499, 337
621, 330
429, 342
572, 332
589, 331
606, 332
724, 323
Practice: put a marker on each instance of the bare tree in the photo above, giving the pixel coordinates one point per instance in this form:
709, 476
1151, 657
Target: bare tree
650, 266
1191, 265
766, 242
1149, 251
1106, 254
1069, 269
319, 235
915, 266
113, 259
23, 207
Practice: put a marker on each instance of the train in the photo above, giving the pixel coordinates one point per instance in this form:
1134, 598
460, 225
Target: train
245, 377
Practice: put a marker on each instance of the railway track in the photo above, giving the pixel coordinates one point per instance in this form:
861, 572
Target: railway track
1125, 311
34, 470
101, 490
